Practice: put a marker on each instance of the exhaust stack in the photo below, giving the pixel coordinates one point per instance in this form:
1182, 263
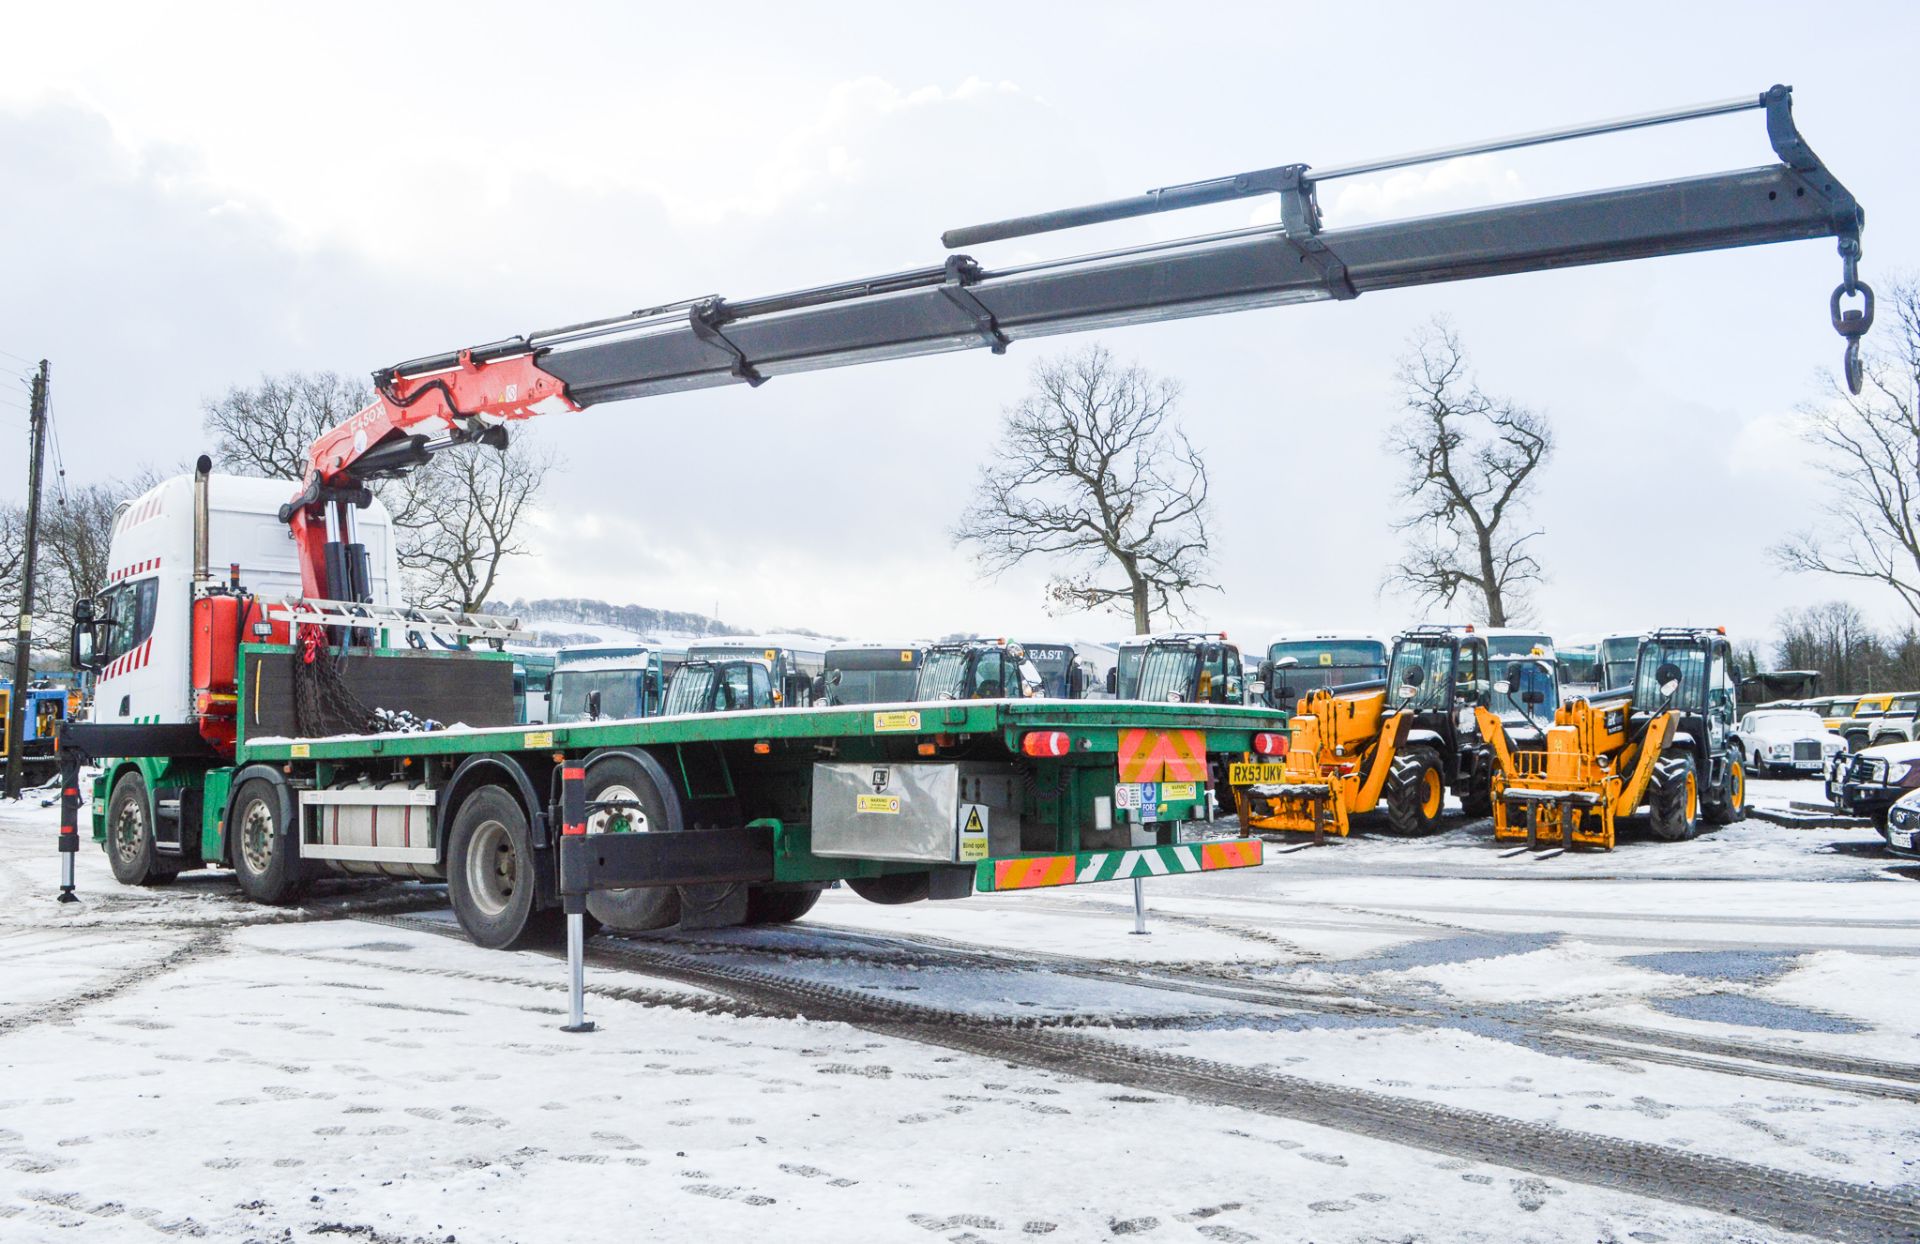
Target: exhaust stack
202, 574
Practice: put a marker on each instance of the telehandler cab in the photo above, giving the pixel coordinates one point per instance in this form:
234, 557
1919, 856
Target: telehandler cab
1664, 743
1405, 742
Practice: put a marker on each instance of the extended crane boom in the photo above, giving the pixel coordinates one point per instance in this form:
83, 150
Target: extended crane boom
466, 396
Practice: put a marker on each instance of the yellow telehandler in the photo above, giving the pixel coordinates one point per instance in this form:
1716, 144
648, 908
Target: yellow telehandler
1402, 742
1663, 743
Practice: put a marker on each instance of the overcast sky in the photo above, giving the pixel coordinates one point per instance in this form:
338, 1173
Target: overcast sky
201, 194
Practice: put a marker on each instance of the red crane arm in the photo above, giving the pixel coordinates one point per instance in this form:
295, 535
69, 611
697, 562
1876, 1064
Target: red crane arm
468, 400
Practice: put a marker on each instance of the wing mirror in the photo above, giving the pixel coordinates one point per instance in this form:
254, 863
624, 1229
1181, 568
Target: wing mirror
1113, 680
1286, 663
593, 706
1668, 677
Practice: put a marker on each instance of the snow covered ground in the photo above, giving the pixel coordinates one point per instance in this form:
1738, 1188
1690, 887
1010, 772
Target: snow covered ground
176, 1063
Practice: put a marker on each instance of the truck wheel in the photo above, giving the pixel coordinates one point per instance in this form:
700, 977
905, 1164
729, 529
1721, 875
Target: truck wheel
893, 889
1415, 793
1730, 803
646, 907
260, 840
1673, 799
770, 906
130, 850
490, 873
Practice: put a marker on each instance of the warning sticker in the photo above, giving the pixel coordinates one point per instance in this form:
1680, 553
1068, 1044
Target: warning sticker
1134, 794
899, 719
1256, 775
889, 804
300, 751
538, 738
1178, 790
1326, 658
973, 831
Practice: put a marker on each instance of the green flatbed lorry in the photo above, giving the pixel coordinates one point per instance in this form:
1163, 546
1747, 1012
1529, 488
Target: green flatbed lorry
902, 802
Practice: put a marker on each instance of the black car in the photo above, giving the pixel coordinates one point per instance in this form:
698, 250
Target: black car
1875, 778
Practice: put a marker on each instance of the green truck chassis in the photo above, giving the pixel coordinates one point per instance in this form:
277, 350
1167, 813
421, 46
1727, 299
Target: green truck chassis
748, 813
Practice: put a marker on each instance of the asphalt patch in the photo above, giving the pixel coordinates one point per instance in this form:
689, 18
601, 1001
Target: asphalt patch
1742, 966
1733, 1008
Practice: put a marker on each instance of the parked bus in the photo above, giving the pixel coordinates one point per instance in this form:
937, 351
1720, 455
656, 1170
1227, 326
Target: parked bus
794, 661
1618, 656
1298, 663
611, 682
870, 674
532, 686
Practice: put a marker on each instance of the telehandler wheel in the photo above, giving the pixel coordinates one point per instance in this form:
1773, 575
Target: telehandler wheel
1729, 804
769, 906
642, 908
261, 843
490, 874
1415, 792
1673, 799
893, 889
130, 849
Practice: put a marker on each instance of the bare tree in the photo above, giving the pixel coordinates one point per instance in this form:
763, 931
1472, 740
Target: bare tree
460, 517
1092, 473
1470, 462
1835, 639
13, 545
266, 430
76, 528
1869, 447
455, 519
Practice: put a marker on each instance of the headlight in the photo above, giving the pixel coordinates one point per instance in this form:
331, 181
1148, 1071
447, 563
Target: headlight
1899, 814
1780, 749
1900, 770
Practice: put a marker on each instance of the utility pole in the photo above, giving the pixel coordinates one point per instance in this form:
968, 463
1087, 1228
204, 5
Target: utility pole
16, 725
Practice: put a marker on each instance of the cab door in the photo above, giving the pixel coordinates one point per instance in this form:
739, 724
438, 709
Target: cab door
1722, 697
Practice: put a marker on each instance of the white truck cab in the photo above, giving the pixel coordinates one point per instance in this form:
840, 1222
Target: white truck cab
147, 671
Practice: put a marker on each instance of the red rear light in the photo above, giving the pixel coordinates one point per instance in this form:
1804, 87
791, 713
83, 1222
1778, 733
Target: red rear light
1046, 743
1269, 744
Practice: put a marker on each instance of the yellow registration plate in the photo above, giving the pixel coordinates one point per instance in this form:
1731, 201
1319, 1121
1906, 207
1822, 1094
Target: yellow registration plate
1256, 775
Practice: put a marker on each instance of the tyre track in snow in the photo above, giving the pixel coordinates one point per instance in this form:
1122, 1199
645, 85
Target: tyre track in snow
1825, 1208
1552, 1033
206, 943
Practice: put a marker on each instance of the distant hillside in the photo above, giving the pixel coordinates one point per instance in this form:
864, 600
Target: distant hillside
554, 621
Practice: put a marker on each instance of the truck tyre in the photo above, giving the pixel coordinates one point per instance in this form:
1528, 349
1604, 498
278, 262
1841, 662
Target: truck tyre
130, 850
1673, 800
1415, 793
893, 889
1729, 804
766, 905
490, 873
643, 908
261, 842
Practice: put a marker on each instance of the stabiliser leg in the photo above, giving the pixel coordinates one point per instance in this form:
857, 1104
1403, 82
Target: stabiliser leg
573, 892
69, 820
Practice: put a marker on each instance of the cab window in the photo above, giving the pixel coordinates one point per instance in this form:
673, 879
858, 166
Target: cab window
130, 606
